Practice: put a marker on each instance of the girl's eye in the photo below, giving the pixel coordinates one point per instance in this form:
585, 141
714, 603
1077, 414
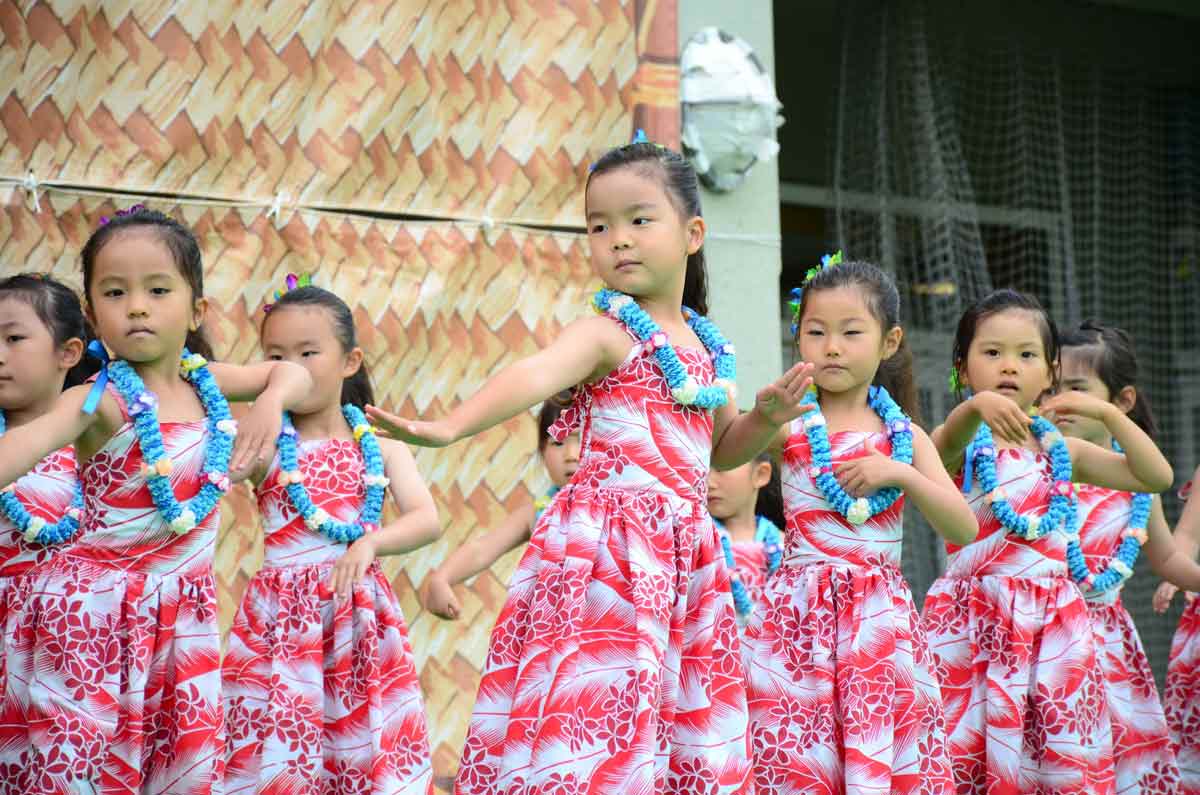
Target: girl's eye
991, 352
1028, 355
853, 332
13, 338
160, 290
275, 357
640, 221
309, 353
113, 293
597, 229
812, 332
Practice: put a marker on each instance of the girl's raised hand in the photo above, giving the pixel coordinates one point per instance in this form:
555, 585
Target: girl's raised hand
1003, 416
351, 568
1076, 404
779, 402
1165, 593
438, 597
418, 432
254, 445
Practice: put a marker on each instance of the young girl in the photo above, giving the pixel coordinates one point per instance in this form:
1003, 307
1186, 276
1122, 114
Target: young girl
42, 337
1023, 693
561, 459
1183, 669
614, 662
318, 680
746, 504
120, 651
1113, 525
842, 692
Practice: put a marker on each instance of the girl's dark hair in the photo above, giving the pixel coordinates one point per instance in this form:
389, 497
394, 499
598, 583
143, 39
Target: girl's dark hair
1109, 351
58, 307
770, 496
895, 374
548, 414
178, 239
356, 389
679, 180
1002, 301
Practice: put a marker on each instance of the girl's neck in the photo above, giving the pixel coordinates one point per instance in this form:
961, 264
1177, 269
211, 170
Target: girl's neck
160, 376
324, 423
14, 418
849, 410
742, 525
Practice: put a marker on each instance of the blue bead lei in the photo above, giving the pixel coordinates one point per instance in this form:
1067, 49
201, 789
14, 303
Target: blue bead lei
375, 482
1059, 514
898, 426
542, 503
684, 389
767, 534
35, 529
142, 406
1120, 566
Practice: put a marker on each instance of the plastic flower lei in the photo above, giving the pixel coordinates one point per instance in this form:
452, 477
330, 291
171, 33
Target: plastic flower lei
374, 481
35, 529
684, 388
1120, 566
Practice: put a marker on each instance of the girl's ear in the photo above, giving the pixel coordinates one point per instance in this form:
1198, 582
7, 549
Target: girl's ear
891, 341
354, 360
696, 232
760, 475
199, 310
70, 353
1126, 399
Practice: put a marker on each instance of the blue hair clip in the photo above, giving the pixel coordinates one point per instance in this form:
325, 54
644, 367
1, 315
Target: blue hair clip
639, 137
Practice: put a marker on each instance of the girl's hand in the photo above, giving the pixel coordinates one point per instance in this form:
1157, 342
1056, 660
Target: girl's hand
1003, 416
862, 477
1163, 596
438, 597
352, 568
422, 434
254, 445
779, 403
1077, 404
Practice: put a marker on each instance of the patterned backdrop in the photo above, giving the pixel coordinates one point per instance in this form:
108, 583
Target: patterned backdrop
425, 159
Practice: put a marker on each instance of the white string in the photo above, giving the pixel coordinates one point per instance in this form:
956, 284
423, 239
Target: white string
30, 184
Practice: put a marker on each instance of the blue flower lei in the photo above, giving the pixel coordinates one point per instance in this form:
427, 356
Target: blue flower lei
1120, 566
292, 479
767, 534
684, 389
35, 529
898, 427
142, 406
1059, 514
542, 503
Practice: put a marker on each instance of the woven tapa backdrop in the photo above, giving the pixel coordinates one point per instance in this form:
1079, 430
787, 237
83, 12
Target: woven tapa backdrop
425, 160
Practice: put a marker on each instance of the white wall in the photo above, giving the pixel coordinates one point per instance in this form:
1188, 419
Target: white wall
743, 275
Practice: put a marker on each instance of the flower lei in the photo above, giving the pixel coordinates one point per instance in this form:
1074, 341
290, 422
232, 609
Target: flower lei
684, 388
898, 427
34, 528
543, 502
767, 534
142, 406
1060, 513
1120, 566
292, 479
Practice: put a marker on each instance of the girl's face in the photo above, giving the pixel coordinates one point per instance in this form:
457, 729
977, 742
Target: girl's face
735, 491
561, 458
32, 367
1078, 376
842, 339
1007, 356
639, 242
140, 303
305, 335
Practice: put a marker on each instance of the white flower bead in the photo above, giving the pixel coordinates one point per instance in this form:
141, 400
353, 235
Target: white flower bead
1034, 523
376, 480
617, 303
36, 523
860, 511
228, 427
687, 392
184, 522
1119, 567
814, 419
729, 387
1050, 439
316, 519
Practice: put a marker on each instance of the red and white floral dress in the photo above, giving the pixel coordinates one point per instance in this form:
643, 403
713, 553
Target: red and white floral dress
1021, 683
114, 652
46, 492
613, 666
1181, 695
1142, 750
843, 696
321, 695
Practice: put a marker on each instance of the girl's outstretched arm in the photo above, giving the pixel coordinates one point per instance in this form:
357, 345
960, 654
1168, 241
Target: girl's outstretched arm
1165, 556
925, 483
479, 553
274, 387
21, 448
1142, 467
740, 437
1186, 540
416, 526
587, 349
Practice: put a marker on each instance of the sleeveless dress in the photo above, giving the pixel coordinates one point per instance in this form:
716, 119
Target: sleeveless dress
46, 492
115, 651
1021, 683
320, 695
843, 696
749, 563
613, 666
1181, 695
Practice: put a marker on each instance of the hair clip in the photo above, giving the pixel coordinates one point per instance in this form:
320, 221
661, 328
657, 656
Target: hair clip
104, 219
639, 137
292, 282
